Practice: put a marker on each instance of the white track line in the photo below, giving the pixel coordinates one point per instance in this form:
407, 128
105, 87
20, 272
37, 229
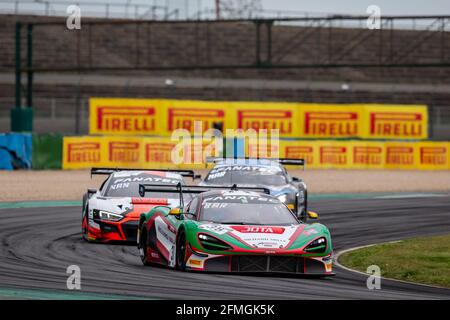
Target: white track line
412, 195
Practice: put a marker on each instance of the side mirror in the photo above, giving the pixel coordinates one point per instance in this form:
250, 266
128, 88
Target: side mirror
90, 192
313, 215
295, 179
175, 212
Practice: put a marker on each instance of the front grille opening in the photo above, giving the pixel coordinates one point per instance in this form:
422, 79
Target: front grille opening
130, 230
282, 264
252, 263
107, 228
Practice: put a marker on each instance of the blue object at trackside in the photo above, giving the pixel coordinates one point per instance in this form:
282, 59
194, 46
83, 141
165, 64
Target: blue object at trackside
15, 151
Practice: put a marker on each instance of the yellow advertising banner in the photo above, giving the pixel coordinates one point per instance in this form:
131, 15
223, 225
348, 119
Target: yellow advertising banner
400, 155
266, 115
332, 154
182, 114
330, 121
395, 122
162, 152
300, 149
433, 155
367, 154
134, 152
160, 117
83, 152
120, 116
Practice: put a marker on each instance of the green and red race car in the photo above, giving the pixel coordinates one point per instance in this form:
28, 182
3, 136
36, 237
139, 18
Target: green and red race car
232, 230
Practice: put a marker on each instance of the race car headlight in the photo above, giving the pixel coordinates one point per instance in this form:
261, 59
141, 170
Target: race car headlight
317, 246
107, 216
212, 243
282, 198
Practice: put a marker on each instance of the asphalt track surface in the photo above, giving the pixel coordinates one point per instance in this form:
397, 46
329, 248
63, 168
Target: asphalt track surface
38, 244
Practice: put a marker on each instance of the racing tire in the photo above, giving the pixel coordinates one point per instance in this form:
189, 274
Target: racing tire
181, 252
84, 226
306, 206
142, 246
303, 215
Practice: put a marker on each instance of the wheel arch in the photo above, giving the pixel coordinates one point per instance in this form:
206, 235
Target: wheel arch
182, 228
145, 217
85, 204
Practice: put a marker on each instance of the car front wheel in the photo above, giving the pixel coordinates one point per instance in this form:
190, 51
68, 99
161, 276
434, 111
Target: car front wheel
85, 226
142, 246
181, 251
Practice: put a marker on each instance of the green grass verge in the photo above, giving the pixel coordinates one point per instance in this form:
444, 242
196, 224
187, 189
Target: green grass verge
423, 260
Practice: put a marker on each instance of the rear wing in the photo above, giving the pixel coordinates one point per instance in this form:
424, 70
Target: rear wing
108, 171
283, 161
143, 188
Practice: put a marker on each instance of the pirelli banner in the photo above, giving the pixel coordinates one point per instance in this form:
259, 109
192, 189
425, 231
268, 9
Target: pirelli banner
133, 152
117, 116
370, 154
152, 152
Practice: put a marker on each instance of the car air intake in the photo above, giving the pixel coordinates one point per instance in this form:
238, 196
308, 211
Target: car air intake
211, 243
130, 230
317, 246
256, 263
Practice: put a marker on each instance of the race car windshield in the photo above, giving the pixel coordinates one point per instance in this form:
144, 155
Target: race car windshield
128, 186
243, 211
250, 175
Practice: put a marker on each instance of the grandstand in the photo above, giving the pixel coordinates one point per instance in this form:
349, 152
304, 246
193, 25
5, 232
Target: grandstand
265, 60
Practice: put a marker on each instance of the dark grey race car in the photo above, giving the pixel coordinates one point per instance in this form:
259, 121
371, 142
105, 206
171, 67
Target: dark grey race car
267, 173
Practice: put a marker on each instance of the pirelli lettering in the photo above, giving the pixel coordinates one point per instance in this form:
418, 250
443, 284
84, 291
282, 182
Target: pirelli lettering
300, 152
79, 152
124, 151
126, 119
183, 118
266, 119
263, 151
158, 152
433, 156
331, 124
393, 124
400, 155
367, 155
333, 155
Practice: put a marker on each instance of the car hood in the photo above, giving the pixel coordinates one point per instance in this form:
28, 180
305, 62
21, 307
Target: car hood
271, 237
